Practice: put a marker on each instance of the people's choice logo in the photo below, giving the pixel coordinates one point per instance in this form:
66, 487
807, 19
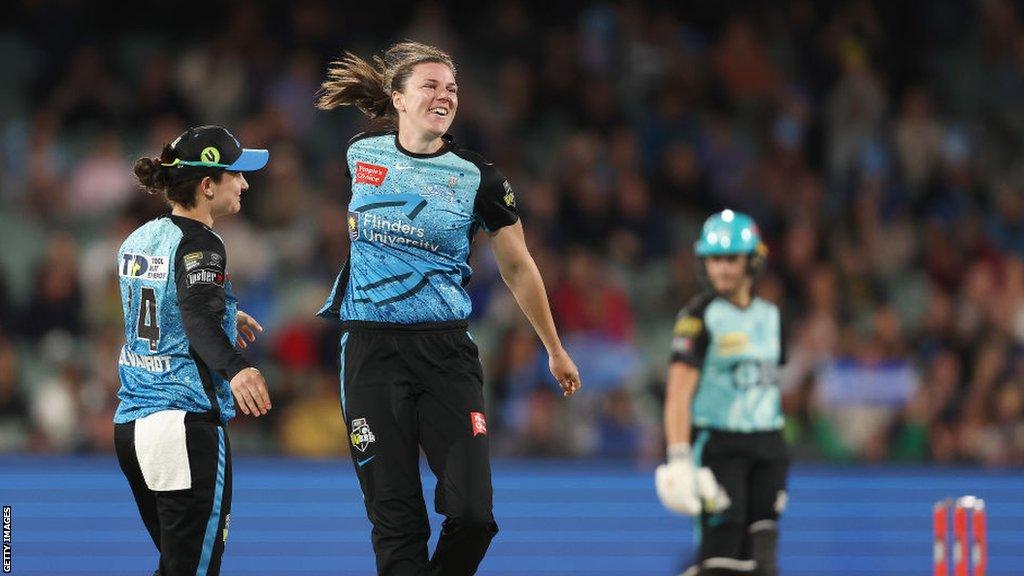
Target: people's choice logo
371, 174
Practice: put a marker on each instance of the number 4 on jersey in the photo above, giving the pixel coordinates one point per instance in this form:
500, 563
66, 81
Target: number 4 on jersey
148, 322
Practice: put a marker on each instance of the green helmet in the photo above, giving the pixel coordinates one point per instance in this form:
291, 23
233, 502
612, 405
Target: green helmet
729, 232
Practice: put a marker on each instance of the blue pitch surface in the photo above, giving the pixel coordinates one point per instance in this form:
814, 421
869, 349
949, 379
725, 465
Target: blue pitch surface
76, 516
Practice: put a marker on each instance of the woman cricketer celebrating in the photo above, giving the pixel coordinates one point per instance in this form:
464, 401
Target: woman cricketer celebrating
723, 400
410, 373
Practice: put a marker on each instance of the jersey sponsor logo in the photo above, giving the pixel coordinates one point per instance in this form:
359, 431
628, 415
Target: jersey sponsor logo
688, 326
192, 259
144, 266
400, 166
204, 276
478, 423
370, 174
353, 225
733, 343
441, 193
750, 373
361, 436
155, 364
682, 345
510, 197
746, 375
374, 228
196, 259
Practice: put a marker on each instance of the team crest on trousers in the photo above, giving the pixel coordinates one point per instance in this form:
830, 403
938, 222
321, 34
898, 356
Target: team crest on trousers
361, 437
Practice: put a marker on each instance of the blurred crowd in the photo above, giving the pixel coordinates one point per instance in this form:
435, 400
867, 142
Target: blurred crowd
878, 144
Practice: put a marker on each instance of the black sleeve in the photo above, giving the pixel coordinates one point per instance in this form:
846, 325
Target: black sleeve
690, 338
199, 274
495, 204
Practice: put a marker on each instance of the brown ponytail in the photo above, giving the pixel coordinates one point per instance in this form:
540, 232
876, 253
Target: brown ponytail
177, 184
352, 81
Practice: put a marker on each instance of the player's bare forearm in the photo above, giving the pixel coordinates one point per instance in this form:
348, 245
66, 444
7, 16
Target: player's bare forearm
682, 383
523, 279
528, 289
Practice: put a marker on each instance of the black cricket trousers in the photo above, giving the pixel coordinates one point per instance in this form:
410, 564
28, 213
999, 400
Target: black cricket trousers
179, 468
752, 467
404, 387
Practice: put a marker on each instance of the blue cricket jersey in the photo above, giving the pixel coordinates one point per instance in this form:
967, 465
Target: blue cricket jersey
738, 352
411, 220
179, 321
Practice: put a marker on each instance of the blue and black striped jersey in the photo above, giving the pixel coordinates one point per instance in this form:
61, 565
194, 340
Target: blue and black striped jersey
411, 220
179, 323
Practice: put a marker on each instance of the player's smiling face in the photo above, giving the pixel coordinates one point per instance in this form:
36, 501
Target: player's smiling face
429, 99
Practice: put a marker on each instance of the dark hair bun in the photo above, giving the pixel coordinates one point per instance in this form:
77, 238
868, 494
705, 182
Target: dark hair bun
151, 174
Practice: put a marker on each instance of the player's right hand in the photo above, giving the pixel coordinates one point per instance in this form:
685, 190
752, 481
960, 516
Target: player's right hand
250, 390
676, 484
565, 372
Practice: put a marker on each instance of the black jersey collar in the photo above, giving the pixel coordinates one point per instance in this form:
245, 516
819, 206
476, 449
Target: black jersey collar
446, 147
186, 221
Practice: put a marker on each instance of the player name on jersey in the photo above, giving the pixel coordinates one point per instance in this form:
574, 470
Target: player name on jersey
148, 363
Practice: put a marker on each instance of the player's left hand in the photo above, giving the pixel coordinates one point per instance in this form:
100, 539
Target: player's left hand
247, 329
565, 372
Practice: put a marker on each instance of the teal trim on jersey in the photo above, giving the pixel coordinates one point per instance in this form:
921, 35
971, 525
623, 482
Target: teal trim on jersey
698, 455
728, 232
738, 388
341, 371
210, 539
